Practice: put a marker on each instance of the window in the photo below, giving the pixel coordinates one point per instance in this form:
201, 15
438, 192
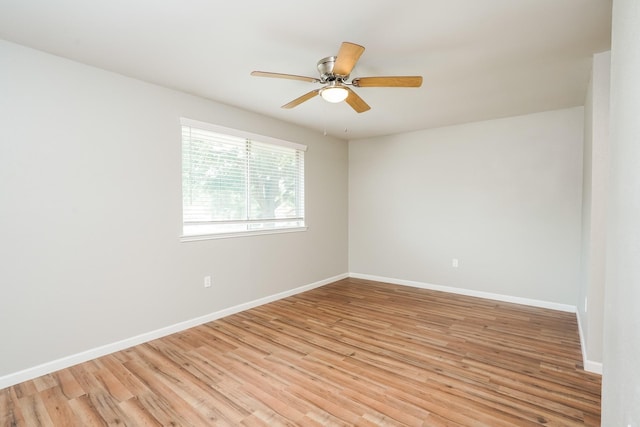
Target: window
239, 183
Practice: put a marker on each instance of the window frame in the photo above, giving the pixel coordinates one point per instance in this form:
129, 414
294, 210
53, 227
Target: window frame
257, 138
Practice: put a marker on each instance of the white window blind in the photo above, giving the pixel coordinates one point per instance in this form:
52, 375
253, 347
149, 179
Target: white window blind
236, 183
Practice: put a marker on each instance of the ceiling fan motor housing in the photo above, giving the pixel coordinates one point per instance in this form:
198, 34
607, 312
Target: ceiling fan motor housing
325, 67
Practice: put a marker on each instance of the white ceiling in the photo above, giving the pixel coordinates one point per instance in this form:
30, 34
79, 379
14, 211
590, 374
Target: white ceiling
480, 59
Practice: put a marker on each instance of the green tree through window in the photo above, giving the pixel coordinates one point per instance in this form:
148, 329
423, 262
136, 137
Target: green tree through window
237, 184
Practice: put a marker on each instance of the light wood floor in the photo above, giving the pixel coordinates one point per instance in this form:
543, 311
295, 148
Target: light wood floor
350, 353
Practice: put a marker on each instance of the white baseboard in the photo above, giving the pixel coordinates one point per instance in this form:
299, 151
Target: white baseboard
479, 294
65, 362
589, 365
593, 367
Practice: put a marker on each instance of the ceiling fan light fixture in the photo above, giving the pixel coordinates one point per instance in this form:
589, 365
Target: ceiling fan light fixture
334, 93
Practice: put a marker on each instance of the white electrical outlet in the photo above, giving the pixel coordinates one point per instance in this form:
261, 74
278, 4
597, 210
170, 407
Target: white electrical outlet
454, 263
207, 281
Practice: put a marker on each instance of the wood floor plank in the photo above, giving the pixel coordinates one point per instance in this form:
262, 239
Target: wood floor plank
351, 353
58, 408
10, 411
34, 411
69, 387
85, 412
166, 399
139, 413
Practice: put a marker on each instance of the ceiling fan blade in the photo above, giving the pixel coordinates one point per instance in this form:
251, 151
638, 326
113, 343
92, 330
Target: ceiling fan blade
347, 58
284, 76
307, 96
356, 102
391, 81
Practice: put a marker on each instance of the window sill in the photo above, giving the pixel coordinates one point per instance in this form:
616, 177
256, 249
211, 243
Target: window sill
199, 237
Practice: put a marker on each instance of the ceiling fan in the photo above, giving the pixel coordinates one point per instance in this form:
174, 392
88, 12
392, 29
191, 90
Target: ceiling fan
334, 75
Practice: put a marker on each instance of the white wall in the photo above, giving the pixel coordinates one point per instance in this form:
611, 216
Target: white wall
595, 177
621, 372
502, 196
90, 214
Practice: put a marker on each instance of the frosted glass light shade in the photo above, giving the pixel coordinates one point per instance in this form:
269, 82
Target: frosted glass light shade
334, 94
